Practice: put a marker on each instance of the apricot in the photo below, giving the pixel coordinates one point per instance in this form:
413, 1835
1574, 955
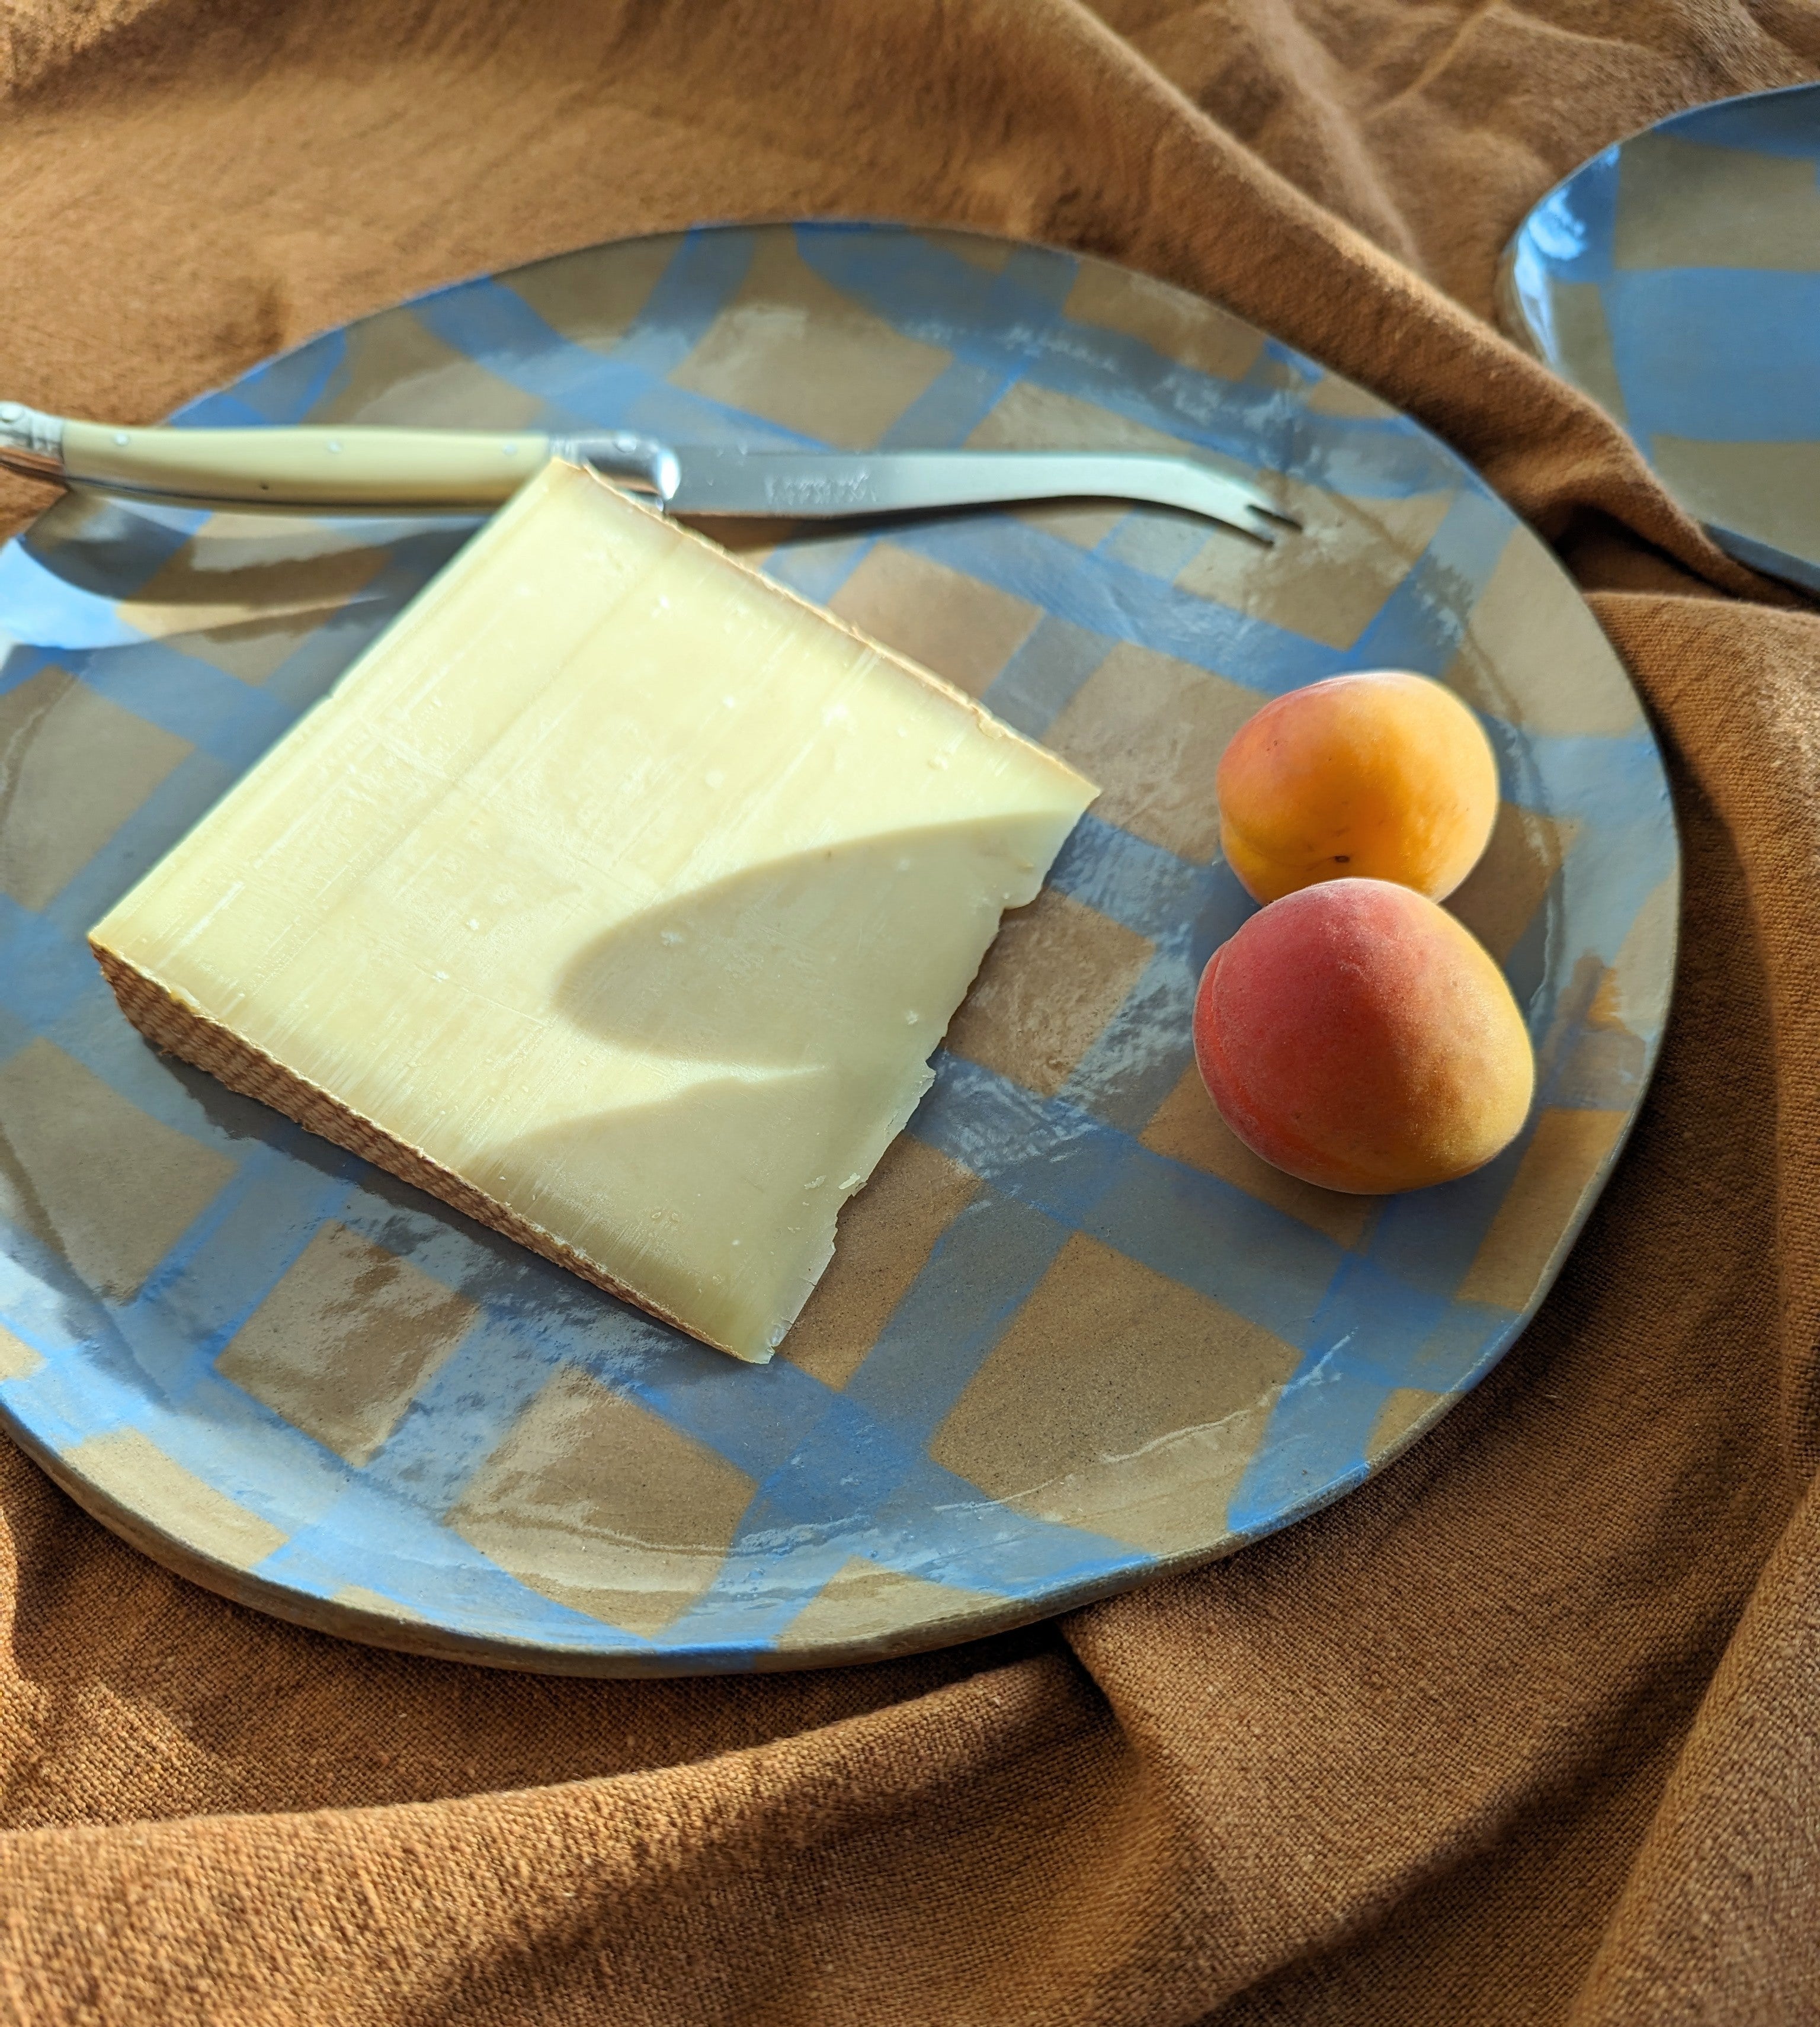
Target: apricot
1355, 1035
1377, 776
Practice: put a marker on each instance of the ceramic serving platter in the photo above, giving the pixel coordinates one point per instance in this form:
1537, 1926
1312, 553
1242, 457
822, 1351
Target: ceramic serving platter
1676, 279
1074, 1333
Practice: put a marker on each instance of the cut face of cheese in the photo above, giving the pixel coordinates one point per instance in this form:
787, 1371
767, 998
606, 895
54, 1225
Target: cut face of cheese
615, 896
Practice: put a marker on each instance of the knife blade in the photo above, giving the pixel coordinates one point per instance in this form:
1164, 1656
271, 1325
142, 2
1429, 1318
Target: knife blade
817, 485
382, 469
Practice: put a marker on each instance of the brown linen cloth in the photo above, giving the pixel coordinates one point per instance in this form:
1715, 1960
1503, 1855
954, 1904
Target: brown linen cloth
1527, 1730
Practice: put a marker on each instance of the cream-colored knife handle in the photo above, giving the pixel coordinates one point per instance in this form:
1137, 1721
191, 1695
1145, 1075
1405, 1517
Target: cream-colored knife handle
357, 468
304, 467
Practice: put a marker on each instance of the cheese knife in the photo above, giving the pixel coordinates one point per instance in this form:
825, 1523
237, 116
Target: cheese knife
405, 470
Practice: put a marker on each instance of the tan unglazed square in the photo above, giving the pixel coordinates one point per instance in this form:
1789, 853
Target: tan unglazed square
1165, 318
792, 348
1033, 418
100, 1182
246, 617
1058, 972
1634, 994
1333, 396
598, 1502
131, 1470
1584, 337
357, 1597
395, 369
989, 255
965, 630
1497, 900
1403, 1409
1151, 730
1683, 205
1565, 1151
865, 1601
348, 1335
1328, 582
17, 1359
592, 302
1762, 490
1533, 654
1118, 1400
886, 1235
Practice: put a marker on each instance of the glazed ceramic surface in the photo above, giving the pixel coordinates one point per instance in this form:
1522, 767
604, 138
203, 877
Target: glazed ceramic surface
1676, 279
1074, 1333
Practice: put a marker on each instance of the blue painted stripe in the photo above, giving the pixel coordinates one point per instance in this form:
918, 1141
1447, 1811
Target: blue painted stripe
21, 664
92, 1029
1390, 1319
948, 412
1616, 788
755, 1426
43, 1303
43, 972
15, 1034
920, 1520
1720, 354
1570, 235
1139, 1056
926, 291
499, 329
1148, 889
1785, 122
1108, 598
212, 1280
1193, 1227
284, 389
983, 1268
466, 1410
1155, 540
190, 698
1043, 676
1426, 1239
383, 1544
816, 567
38, 606
1420, 625
1371, 1341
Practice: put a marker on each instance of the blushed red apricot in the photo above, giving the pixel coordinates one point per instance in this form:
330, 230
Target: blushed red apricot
1355, 1035
1378, 776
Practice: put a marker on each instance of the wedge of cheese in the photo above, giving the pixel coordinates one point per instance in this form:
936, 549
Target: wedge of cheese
616, 896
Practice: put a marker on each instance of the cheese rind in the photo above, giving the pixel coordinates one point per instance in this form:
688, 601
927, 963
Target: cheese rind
616, 895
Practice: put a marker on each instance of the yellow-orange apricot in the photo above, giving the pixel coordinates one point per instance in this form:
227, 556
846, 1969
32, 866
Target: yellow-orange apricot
1355, 1035
1378, 776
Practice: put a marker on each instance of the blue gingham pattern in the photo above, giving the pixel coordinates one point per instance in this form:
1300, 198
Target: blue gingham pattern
117, 1388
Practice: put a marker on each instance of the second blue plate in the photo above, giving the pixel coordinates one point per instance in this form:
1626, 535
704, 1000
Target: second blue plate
1676, 279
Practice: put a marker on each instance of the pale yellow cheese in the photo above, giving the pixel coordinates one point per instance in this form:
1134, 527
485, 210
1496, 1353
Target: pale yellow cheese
621, 885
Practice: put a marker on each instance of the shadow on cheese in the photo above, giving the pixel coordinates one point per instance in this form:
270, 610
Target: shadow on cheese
773, 1009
